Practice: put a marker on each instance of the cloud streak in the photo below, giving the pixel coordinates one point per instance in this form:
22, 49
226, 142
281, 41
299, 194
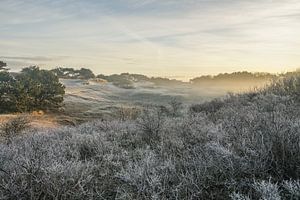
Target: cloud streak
34, 59
162, 37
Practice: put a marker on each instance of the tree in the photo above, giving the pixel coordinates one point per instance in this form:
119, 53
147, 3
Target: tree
65, 72
85, 73
43, 87
71, 73
3, 65
32, 89
8, 91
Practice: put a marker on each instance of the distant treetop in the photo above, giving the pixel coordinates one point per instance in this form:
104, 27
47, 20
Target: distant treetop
235, 76
3, 65
70, 73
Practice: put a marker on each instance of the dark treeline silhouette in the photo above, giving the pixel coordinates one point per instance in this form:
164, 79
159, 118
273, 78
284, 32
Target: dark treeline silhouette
3, 65
127, 80
71, 73
121, 80
232, 78
236, 79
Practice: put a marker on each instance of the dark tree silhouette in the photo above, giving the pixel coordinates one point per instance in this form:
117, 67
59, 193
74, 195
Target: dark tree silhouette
3, 65
85, 73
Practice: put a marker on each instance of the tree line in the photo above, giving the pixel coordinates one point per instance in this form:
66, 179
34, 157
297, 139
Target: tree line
71, 73
234, 77
37, 89
126, 80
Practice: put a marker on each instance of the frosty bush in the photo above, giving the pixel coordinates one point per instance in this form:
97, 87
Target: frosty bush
245, 146
175, 107
127, 113
267, 190
14, 127
293, 188
150, 123
237, 196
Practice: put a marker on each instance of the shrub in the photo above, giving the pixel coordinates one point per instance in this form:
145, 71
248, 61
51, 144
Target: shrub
289, 86
150, 123
293, 189
127, 113
247, 148
267, 190
14, 127
175, 107
208, 107
237, 196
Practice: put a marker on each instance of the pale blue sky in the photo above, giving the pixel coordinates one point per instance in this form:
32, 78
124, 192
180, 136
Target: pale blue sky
176, 38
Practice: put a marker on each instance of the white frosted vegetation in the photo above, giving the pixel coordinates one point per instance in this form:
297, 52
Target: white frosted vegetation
243, 147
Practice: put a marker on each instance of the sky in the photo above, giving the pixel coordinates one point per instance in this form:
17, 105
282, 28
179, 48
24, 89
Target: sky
169, 38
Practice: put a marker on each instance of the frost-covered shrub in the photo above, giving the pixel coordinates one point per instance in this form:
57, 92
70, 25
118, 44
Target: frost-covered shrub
175, 107
127, 113
285, 87
243, 147
150, 123
269, 138
293, 189
208, 107
14, 127
238, 196
267, 190
147, 176
54, 166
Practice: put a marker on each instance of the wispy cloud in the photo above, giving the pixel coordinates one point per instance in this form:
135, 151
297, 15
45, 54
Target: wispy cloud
34, 59
159, 37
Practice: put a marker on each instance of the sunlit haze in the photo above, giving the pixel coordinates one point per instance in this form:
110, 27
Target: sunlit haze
174, 38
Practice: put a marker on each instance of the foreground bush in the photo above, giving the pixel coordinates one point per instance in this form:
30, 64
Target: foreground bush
13, 127
243, 147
